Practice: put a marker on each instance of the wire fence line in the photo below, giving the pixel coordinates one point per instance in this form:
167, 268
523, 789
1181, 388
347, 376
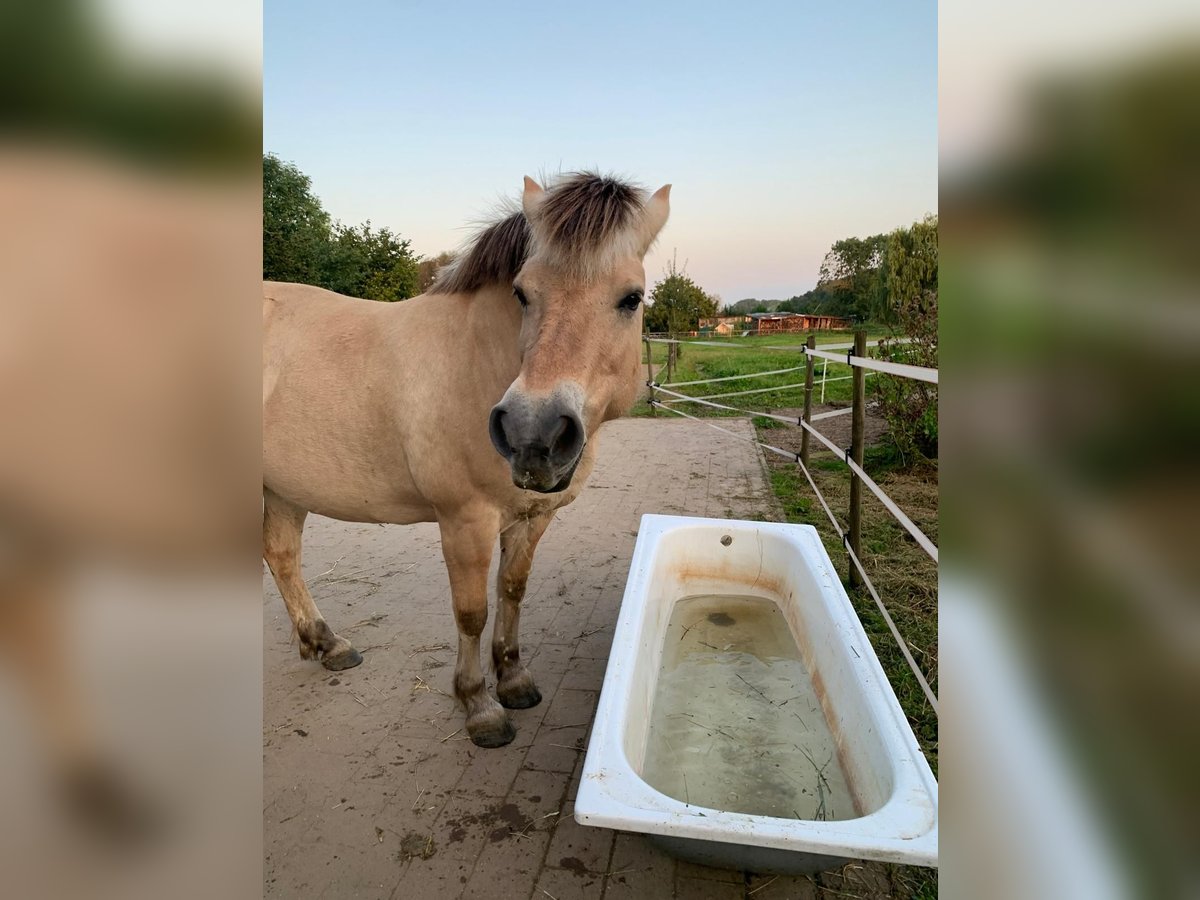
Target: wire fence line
735, 377
766, 390
918, 535
904, 370
732, 342
788, 420
904, 648
825, 379
849, 358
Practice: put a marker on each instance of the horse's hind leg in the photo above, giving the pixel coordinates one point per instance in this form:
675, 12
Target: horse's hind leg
283, 526
514, 684
467, 546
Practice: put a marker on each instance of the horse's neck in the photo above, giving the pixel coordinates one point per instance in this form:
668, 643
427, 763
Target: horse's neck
483, 330
494, 315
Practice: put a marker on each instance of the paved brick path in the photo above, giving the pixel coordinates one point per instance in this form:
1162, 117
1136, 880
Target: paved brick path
370, 790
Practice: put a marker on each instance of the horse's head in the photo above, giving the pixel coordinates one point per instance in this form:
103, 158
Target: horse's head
580, 289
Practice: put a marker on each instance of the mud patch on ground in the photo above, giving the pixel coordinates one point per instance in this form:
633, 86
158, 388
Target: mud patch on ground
502, 821
573, 864
512, 820
416, 846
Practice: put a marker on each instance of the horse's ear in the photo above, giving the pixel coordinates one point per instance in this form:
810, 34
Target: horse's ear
658, 208
533, 197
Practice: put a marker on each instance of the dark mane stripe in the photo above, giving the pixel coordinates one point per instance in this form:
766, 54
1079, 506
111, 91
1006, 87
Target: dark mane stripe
581, 215
494, 256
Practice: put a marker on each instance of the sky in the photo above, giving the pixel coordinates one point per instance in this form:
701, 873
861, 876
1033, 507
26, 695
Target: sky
782, 127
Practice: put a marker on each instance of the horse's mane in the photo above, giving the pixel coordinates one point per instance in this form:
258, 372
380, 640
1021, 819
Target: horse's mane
582, 220
495, 255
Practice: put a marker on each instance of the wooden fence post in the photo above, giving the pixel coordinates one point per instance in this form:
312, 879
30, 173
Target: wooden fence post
857, 430
650, 374
808, 388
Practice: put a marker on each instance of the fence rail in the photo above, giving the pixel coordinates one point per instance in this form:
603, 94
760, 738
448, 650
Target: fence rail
766, 390
904, 370
861, 366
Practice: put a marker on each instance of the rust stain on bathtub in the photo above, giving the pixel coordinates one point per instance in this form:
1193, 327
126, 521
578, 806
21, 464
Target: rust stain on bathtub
687, 572
845, 759
839, 739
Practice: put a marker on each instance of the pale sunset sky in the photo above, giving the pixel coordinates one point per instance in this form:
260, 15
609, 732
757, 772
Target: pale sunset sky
782, 126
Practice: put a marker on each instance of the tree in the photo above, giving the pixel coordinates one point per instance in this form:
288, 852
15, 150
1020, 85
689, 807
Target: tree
753, 304
677, 303
852, 272
375, 265
821, 299
302, 244
911, 279
296, 228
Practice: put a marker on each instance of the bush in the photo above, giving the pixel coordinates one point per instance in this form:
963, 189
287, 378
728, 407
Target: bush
677, 303
910, 406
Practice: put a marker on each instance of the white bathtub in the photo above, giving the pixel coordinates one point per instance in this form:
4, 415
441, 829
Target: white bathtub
894, 792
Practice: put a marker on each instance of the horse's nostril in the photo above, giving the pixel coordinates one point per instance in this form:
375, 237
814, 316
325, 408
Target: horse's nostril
560, 428
496, 431
567, 436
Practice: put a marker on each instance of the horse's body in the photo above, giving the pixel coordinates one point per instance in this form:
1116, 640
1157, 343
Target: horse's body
378, 412
462, 406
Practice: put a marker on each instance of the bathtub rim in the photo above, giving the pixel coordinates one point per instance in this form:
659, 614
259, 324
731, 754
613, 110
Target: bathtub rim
613, 795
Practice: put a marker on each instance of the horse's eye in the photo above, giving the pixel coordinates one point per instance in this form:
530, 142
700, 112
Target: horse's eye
520, 295
630, 302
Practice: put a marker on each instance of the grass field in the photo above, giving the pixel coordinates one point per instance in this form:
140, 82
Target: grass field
746, 356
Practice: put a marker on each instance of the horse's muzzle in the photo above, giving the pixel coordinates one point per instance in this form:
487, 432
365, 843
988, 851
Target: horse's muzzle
541, 437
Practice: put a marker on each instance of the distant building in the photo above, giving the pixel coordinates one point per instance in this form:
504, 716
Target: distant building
724, 324
771, 323
790, 322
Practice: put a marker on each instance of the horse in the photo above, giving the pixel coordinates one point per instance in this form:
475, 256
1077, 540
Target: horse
473, 405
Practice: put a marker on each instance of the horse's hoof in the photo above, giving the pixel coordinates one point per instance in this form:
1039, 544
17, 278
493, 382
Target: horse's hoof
347, 659
493, 735
522, 694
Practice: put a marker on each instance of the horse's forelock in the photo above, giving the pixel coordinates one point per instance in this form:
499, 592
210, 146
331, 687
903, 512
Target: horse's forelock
584, 216
581, 225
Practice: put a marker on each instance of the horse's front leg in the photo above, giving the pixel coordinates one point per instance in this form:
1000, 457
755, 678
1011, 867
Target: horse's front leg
514, 684
34, 640
467, 546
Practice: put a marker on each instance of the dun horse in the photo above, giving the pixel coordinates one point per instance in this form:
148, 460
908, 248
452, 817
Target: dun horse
473, 406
